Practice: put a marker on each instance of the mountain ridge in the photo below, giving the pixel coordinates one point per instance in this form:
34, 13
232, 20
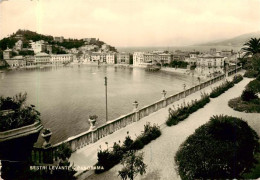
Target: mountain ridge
239, 40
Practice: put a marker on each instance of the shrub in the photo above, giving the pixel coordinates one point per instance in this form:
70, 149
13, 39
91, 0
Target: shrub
185, 110
248, 95
108, 158
128, 142
251, 73
245, 106
19, 114
254, 86
237, 78
222, 148
138, 144
221, 89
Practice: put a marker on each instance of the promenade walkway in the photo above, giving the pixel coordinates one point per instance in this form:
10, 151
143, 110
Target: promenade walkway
159, 154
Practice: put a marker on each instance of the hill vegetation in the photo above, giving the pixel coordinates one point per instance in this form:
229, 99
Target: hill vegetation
27, 35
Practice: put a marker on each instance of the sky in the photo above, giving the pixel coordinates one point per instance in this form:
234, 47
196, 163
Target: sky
123, 23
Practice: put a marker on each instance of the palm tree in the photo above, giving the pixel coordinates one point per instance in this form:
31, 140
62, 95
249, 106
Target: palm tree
252, 46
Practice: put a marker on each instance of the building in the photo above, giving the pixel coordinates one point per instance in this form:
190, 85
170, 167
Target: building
209, 64
88, 47
59, 39
42, 58
30, 60
16, 61
98, 57
158, 58
7, 53
89, 40
165, 58
38, 46
227, 53
49, 48
138, 59
105, 47
18, 45
61, 58
123, 58
110, 58
192, 60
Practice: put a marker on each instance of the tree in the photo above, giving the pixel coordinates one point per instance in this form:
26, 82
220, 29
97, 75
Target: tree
252, 46
254, 86
248, 95
256, 62
133, 165
223, 148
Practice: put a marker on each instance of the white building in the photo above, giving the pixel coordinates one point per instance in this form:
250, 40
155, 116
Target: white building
110, 58
138, 59
208, 64
42, 58
61, 58
38, 46
19, 45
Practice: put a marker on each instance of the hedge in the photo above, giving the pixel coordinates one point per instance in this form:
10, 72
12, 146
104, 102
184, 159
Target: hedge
109, 158
181, 113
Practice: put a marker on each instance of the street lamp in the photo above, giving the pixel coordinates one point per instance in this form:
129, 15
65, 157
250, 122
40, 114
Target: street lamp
106, 97
184, 87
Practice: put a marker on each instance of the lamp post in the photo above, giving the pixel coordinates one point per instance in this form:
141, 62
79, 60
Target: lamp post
184, 87
106, 97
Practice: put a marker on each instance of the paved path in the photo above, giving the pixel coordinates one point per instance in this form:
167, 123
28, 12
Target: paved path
159, 154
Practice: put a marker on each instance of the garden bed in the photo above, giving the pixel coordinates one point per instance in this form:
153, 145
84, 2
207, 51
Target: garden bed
245, 106
181, 113
109, 158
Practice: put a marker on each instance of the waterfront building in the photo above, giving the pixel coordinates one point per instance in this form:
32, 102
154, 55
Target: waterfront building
138, 59
151, 58
30, 60
192, 59
18, 45
2, 62
95, 57
165, 58
16, 61
98, 57
61, 58
42, 58
7, 53
157, 58
38, 46
208, 64
59, 39
86, 58
110, 58
123, 58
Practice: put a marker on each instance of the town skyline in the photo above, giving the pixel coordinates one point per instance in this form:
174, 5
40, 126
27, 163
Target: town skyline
132, 23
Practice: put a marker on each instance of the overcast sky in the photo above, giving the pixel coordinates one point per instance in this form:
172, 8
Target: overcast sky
133, 22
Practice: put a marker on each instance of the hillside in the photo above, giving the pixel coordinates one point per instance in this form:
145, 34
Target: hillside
27, 35
235, 41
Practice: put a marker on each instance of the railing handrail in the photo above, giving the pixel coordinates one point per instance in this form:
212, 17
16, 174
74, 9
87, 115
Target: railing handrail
133, 113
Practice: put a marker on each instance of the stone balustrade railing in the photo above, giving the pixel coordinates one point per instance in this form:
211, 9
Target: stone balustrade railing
49, 155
